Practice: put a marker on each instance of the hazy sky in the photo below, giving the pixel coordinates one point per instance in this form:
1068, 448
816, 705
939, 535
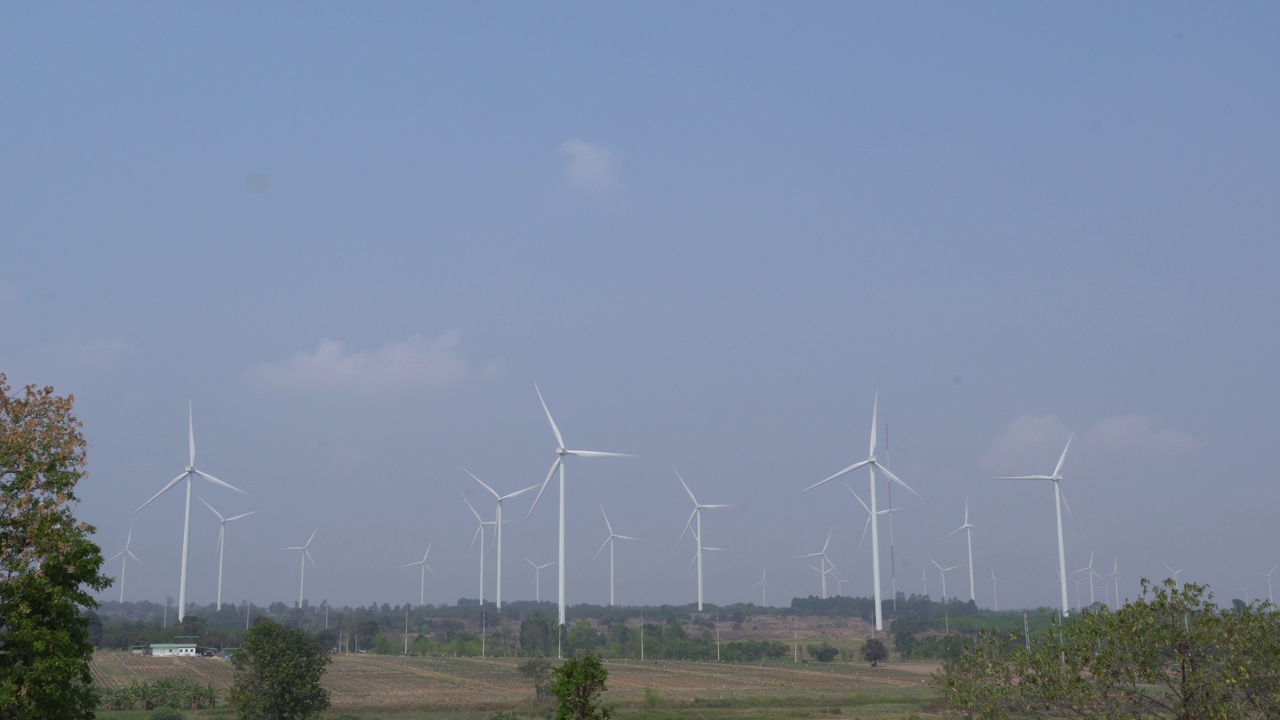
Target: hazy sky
354, 237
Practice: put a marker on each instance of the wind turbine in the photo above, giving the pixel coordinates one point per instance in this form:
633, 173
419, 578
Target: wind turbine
561, 452
188, 475
498, 521
1266, 575
867, 524
924, 580
609, 541
1115, 573
303, 557
1058, 501
967, 527
129, 553
1092, 574
422, 582
994, 595
825, 561
943, 571
537, 572
872, 464
480, 532
697, 533
764, 586
1176, 573
222, 532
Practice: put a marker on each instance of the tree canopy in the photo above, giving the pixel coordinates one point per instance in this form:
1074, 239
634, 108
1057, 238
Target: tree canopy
577, 686
278, 673
1173, 654
48, 564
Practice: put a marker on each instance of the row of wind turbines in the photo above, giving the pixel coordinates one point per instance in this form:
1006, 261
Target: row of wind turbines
692, 527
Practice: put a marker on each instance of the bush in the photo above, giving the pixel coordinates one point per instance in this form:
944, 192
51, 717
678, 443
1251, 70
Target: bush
165, 713
826, 652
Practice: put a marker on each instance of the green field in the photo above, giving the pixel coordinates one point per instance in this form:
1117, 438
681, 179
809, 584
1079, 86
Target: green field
418, 688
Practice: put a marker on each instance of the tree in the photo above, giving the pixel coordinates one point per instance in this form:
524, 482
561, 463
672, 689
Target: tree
826, 652
874, 651
538, 672
1174, 654
577, 686
278, 671
48, 564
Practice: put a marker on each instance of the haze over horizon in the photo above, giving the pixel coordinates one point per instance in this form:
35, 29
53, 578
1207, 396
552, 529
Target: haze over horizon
354, 238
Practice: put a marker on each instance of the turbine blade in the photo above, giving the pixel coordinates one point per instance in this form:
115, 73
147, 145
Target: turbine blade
216, 481
113, 557
1067, 505
602, 546
1025, 477
473, 510
686, 527
479, 529
313, 537
529, 561
595, 453
309, 558
242, 515
606, 520
519, 492
875, 406
845, 471
162, 490
855, 497
895, 478
865, 527
624, 537
135, 557
554, 429
686, 486
1057, 471
714, 507
215, 512
191, 436
953, 532
551, 473
482, 483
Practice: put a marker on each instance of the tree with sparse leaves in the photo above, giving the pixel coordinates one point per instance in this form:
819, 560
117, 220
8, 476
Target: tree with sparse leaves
874, 651
48, 564
577, 686
278, 671
538, 672
1171, 654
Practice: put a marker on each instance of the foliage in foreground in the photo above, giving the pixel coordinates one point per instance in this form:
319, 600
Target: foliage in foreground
48, 564
577, 686
1172, 655
176, 693
278, 673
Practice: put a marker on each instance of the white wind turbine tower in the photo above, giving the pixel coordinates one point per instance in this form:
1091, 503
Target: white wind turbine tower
609, 541
1267, 575
480, 532
188, 475
872, 464
561, 453
222, 534
825, 561
1092, 574
943, 571
126, 553
924, 580
1058, 500
498, 521
967, 527
697, 533
764, 586
994, 595
1115, 573
1176, 573
303, 556
422, 582
867, 525
537, 573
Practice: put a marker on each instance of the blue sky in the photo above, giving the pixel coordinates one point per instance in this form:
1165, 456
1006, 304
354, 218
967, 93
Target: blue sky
354, 238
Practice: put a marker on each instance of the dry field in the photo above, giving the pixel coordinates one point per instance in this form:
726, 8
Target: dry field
472, 687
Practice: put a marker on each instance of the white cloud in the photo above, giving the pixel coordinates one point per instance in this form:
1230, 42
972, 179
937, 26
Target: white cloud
1032, 443
415, 362
590, 167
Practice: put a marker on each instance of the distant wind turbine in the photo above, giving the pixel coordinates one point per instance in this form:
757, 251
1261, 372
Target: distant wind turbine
609, 541
1176, 573
872, 464
1267, 575
422, 581
967, 527
1092, 574
561, 453
764, 586
537, 571
498, 538
943, 571
479, 532
304, 556
994, 595
696, 515
1058, 500
924, 581
867, 524
222, 533
188, 474
126, 553
1115, 573
825, 561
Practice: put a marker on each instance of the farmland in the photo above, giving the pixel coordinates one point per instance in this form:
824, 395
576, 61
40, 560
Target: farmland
368, 686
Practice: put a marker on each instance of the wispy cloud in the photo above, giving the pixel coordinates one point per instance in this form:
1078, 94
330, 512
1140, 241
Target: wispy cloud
590, 167
1031, 444
416, 362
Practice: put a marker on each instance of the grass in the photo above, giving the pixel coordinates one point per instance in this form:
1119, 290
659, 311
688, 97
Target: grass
372, 687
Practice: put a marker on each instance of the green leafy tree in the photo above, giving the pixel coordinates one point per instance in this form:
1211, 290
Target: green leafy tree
48, 564
874, 651
577, 686
278, 671
1171, 655
538, 672
826, 652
